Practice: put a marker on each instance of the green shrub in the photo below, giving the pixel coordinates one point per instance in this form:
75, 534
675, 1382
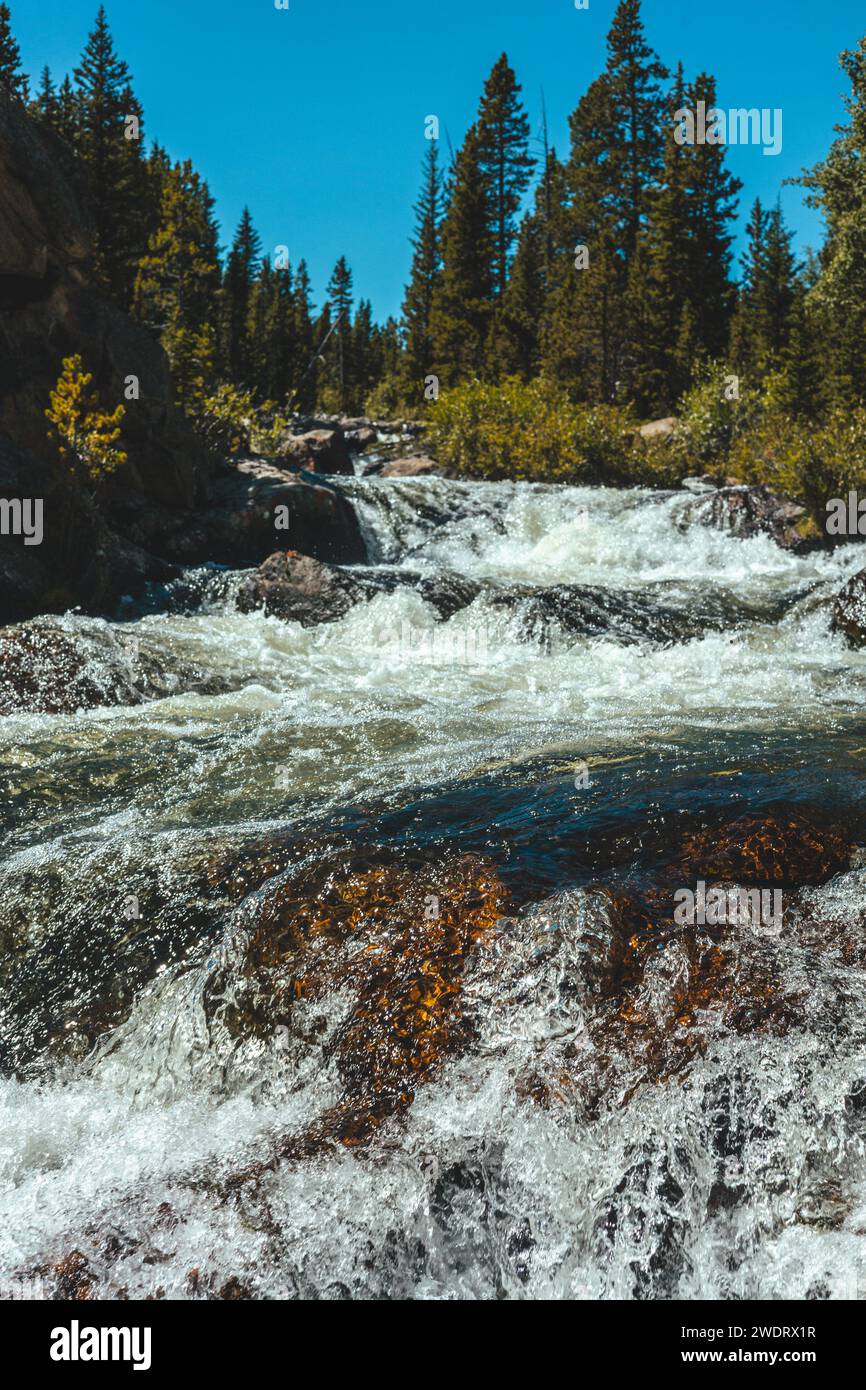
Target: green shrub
810, 462
268, 428
711, 419
387, 401
528, 431
223, 420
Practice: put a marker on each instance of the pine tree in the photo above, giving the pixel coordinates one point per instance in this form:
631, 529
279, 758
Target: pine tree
586, 329
386, 351
241, 269
258, 316
424, 277
517, 331
617, 145
768, 288
112, 158
364, 365
67, 119
837, 187
711, 209
463, 295
505, 164
634, 78
339, 350
659, 308
278, 331
12, 78
177, 285
304, 374
680, 293
44, 105
798, 385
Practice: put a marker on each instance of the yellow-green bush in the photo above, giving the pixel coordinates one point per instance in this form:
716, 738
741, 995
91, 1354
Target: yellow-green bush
810, 462
86, 436
529, 431
223, 420
388, 401
712, 415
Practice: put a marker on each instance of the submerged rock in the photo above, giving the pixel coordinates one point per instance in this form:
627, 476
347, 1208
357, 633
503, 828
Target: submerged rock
43, 671
51, 668
300, 589
629, 996
849, 611
590, 611
390, 944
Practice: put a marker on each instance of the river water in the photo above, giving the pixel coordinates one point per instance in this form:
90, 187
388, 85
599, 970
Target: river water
565, 741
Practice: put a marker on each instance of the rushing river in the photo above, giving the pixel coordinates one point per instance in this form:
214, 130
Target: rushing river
700, 682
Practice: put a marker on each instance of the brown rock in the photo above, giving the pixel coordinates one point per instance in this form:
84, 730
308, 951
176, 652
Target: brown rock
299, 589
238, 526
751, 511
393, 939
651, 991
415, 467
362, 438
319, 450
659, 429
43, 671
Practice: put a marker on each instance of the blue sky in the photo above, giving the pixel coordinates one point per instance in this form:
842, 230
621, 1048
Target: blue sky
315, 116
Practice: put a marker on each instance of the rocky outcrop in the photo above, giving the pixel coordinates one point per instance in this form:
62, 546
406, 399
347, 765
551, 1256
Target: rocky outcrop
50, 309
168, 500
250, 506
364, 438
81, 561
416, 467
849, 611
299, 589
750, 511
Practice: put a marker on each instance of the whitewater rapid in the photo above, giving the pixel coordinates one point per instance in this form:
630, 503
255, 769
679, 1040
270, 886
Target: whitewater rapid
393, 726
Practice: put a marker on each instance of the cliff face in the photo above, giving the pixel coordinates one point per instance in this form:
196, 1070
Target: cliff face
49, 309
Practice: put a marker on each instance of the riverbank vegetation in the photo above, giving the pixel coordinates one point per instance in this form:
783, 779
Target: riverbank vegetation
554, 301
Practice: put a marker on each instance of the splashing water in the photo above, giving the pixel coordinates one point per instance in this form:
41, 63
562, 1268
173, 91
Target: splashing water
694, 679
